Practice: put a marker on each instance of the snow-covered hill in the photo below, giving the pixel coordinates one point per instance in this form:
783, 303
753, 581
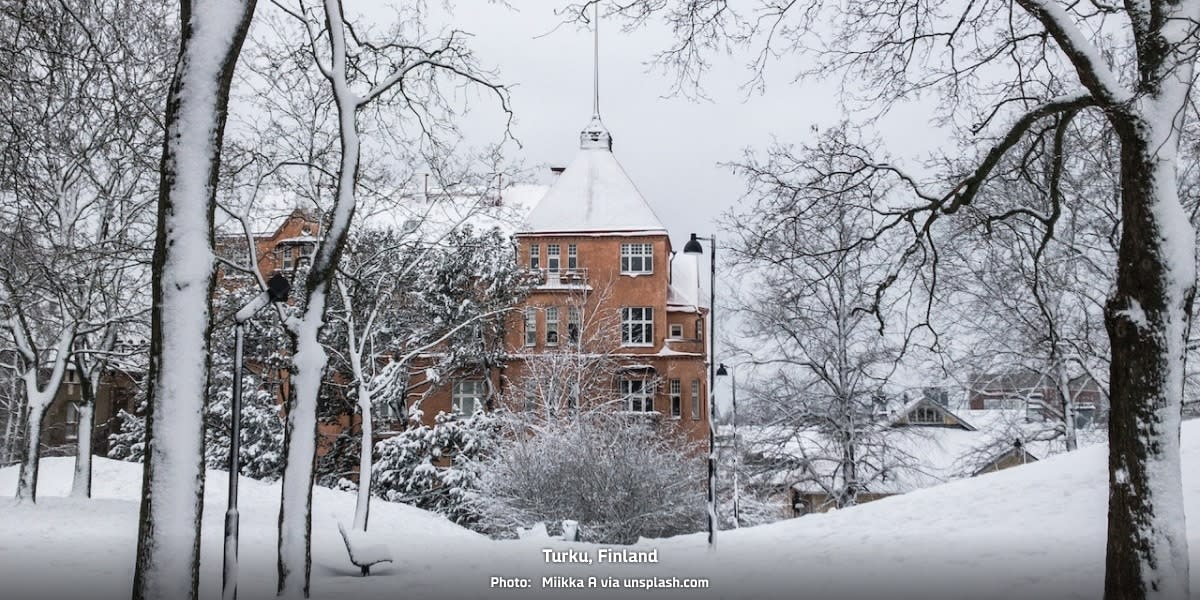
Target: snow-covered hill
1035, 531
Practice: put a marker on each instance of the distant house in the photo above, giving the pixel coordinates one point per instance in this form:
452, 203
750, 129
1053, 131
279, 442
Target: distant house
117, 391
1038, 395
927, 444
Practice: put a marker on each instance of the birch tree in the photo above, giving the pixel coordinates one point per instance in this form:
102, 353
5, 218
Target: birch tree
404, 74
1009, 70
168, 549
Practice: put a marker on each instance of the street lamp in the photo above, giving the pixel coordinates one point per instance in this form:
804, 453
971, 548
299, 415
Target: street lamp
277, 291
737, 456
694, 247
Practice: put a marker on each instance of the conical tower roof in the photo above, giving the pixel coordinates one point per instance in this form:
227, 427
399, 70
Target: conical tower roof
593, 194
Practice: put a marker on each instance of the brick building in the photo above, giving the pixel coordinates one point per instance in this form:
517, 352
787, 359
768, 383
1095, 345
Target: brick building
605, 282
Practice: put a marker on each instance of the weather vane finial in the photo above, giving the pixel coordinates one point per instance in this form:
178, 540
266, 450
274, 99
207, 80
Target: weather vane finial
596, 58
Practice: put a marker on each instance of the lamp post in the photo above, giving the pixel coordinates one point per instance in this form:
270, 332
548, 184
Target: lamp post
694, 247
737, 455
277, 291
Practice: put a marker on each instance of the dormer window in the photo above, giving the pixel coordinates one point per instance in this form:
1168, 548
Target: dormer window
637, 259
925, 415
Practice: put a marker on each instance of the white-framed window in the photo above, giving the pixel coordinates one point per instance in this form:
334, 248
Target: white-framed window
572, 257
530, 327
71, 378
637, 326
638, 395
637, 258
388, 411
535, 257
676, 331
700, 329
676, 393
552, 326
468, 395
553, 257
926, 415
71, 431
574, 324
287, 258
695, 399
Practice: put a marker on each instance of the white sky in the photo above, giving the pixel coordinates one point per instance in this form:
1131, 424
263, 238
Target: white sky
670, 146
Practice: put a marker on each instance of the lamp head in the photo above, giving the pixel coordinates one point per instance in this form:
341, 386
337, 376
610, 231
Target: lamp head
693, 246
278, 288
722, 370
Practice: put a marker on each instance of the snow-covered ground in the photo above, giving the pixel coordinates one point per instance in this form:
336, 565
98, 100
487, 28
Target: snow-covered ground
1035, 531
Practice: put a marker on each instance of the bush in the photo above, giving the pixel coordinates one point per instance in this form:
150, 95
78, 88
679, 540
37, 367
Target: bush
620, 477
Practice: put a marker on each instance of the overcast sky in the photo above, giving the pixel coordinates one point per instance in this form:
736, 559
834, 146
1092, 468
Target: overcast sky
672, 147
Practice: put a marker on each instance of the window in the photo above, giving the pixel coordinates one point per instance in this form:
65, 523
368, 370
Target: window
388, 411
925, 414
552, 326
574, 324
637, 326
535, 259
530, 327
572, 257
287, 258
468, 396
553, 253
676, 331
676, 392
72, 422
638, 394
700, 329
637, 258
695, 399
72, 380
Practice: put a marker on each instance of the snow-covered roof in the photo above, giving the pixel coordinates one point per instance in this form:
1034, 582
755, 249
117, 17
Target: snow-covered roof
921, 456
593, 194
684, 291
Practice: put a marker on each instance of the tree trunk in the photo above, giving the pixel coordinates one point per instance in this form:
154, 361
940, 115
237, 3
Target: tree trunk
1147, 319
35, 415
300, 434
363, 506
1070, 431
81, 485
168, 549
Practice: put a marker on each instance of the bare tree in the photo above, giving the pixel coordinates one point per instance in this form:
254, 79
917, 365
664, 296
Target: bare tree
1017, 70
402, 297
402, 73
806, 317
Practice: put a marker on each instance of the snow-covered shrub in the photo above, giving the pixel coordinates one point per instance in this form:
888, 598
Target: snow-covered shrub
438, 468
621, 477
129, 443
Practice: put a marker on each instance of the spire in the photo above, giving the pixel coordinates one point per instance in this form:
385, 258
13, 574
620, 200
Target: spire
595, 135
596, 60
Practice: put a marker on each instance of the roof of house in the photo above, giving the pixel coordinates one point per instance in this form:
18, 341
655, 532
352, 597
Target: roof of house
593, 194
930, 455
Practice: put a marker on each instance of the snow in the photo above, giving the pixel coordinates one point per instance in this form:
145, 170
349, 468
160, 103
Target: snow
685, 282
593, 194
1035, 531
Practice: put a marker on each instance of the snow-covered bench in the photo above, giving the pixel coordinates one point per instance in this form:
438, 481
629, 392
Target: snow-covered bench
363, 552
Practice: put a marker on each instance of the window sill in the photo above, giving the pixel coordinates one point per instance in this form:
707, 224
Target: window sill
636, 273
648, 345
